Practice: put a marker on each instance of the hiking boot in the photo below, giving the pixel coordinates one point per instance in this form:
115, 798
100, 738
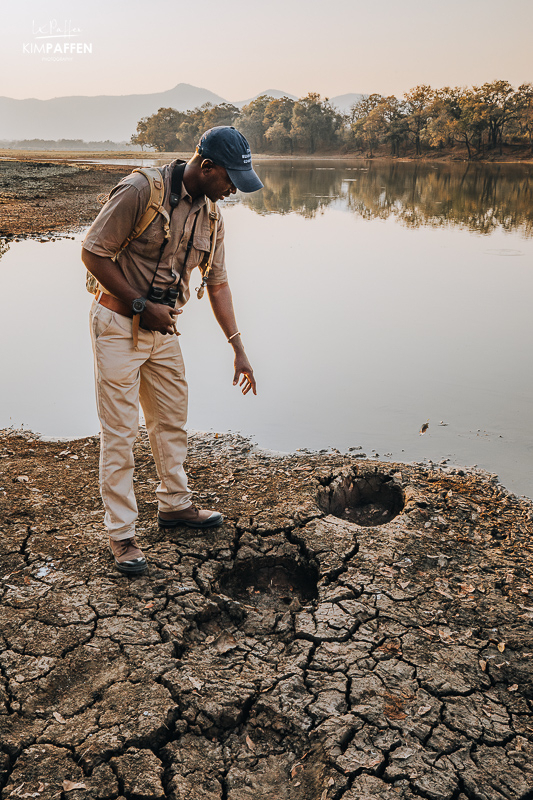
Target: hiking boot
128, 557
192, 516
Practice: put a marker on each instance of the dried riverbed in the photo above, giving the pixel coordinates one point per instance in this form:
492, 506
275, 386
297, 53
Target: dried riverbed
291, 653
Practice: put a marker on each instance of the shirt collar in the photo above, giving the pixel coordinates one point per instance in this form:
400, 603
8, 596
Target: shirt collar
198, 203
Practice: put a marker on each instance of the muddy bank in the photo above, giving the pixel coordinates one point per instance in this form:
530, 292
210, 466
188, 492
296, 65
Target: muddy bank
45, 198
354, 630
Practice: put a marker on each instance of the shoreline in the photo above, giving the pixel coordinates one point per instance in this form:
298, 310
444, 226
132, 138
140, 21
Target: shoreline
77, 156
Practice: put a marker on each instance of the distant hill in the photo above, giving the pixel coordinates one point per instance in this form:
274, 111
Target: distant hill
113, 117
343, 102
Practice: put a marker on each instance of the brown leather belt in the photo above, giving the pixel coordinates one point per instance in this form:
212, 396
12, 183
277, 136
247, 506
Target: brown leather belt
116, 305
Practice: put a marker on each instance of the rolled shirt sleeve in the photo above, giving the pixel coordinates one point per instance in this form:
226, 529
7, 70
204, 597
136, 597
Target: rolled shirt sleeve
218, 273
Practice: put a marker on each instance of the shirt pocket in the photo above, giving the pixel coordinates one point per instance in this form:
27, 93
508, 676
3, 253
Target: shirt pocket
201, 248
149, 242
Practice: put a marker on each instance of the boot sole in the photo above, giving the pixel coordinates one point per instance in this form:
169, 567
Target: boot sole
169, 523
129, 570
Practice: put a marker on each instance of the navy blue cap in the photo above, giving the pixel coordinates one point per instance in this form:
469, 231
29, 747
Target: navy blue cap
228, 148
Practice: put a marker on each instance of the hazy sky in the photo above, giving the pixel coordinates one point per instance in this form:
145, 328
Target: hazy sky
237, 49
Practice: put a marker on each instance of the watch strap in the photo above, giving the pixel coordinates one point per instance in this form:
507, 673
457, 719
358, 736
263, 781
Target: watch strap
138, 305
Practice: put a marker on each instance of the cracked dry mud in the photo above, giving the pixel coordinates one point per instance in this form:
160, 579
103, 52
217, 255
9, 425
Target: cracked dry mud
301, 650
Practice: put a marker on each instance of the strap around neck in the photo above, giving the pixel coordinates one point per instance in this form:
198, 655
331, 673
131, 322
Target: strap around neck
176, 183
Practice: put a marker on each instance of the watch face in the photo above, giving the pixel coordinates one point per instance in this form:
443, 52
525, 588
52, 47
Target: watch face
138, 305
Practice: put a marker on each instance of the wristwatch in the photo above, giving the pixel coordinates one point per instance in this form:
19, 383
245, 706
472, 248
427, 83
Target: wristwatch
138, 305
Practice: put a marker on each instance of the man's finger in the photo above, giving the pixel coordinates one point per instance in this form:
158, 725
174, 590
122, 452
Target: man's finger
248, 382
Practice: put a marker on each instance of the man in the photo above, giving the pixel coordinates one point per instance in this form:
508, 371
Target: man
136, 349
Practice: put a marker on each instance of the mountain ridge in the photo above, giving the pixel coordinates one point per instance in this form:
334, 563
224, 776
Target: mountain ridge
103, 117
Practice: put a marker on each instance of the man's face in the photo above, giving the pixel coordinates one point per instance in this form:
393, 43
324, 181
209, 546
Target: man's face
216, 181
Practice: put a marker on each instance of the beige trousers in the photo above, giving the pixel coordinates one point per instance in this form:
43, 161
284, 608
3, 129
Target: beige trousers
155, 375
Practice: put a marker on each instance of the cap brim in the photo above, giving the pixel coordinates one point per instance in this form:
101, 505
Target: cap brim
245, 180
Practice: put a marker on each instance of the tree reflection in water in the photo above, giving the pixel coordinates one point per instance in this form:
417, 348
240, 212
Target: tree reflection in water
478, 197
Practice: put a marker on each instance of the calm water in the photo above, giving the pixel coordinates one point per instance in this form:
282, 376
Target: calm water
372, 298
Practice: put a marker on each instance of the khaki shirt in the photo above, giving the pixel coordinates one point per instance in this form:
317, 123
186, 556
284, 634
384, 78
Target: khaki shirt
138, 260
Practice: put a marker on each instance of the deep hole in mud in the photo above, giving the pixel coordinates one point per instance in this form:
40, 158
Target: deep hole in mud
275, 583
370, 499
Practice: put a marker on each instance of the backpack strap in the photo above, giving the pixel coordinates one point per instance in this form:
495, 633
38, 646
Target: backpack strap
205, 265
154, 207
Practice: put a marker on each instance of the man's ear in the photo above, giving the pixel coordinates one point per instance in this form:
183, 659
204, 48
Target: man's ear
206, 165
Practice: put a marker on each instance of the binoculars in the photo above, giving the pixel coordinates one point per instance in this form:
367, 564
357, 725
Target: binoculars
166, 296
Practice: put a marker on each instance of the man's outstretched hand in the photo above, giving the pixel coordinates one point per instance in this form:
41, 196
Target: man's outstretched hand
244, 371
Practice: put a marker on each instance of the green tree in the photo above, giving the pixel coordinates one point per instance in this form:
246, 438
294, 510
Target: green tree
356, 118
159, 130
191, 128
394, 122
455, 117
222, 114
279, 110
200, 119
252, 123
277, 122
278, 139
373, 129
315, 123
524, 121
501, 105
363, 107
417, 105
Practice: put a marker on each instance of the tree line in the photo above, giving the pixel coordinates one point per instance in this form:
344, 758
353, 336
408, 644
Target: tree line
281, 125
479, 119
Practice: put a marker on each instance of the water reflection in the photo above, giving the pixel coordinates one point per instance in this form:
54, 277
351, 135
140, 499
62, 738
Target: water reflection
298, 186
477, 197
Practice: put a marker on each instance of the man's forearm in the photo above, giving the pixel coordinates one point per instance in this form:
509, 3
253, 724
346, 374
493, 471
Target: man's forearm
109, 275
222, 305
156, 316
